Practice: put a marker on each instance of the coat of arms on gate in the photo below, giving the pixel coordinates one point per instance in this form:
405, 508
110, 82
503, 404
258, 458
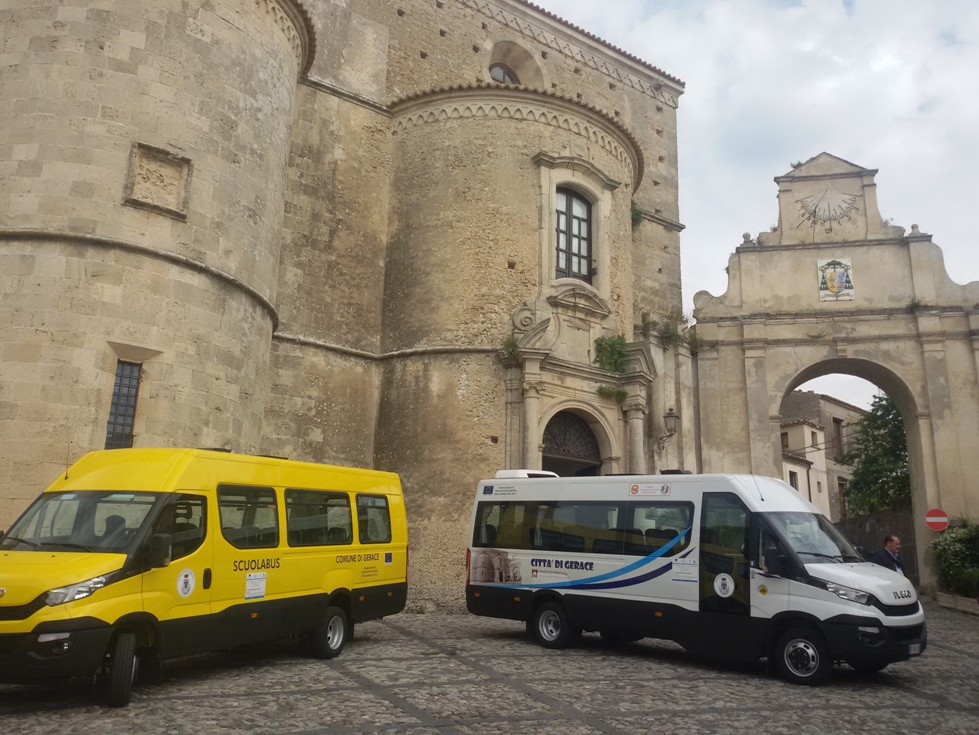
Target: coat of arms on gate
835, 280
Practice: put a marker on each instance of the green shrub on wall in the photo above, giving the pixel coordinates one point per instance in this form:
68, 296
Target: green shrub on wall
957, 558
610, 353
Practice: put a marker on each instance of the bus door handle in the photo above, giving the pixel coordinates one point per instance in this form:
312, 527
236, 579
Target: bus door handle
207, 578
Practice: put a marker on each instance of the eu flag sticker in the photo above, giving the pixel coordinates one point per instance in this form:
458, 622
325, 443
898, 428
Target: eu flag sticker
488, 490
388, 557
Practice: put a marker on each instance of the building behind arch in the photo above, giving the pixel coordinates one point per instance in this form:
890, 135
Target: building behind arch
368, 233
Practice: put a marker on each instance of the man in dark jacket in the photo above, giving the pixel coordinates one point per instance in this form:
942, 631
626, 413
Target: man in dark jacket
890, 555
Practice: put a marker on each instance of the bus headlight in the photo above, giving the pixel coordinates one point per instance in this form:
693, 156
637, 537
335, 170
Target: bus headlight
848, 593
72, 592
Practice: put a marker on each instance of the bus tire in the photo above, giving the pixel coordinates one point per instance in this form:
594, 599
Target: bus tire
122, 670
551, 626
801, 657
332, 634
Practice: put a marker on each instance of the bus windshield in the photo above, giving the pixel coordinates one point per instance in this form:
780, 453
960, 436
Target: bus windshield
87, 521
813, 538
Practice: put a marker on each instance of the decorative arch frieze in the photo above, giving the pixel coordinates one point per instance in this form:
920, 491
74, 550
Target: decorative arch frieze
655, 88
295, 23
520, 104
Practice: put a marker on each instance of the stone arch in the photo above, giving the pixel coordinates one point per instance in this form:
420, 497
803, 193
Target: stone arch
597, 425
570, 446
896, 387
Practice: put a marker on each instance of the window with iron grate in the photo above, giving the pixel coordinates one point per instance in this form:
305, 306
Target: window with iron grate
122, 412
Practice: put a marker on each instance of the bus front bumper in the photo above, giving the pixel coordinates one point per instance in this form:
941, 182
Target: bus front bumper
49, 652
865, 642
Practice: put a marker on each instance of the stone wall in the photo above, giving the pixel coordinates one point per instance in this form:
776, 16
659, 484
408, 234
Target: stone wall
142, 169
318, 249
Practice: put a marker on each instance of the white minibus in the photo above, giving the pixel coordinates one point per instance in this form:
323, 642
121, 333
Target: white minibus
728, 566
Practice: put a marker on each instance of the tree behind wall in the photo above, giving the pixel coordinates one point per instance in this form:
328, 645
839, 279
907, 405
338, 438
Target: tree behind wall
879, 455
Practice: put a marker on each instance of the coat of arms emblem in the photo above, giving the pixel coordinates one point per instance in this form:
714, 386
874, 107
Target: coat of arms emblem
835, 280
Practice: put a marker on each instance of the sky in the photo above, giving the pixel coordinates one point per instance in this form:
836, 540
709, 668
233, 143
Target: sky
891, 85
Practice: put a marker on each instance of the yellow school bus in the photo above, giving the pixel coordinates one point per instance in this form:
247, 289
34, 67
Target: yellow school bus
135, 556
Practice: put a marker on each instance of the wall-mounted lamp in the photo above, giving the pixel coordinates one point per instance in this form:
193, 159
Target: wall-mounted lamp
671, 421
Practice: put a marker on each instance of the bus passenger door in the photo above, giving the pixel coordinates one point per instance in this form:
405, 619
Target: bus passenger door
771, 570
179, 595
725, 600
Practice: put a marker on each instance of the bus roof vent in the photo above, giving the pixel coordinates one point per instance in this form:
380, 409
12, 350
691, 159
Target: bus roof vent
512, 474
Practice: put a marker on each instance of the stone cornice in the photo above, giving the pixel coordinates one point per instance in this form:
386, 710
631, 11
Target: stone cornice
837, 175
662, 86
659, 219
294, 21
763, 317
345, 94
557, 366
830, 342
576, 164
754, 248
503, 101
303, 341
73, 238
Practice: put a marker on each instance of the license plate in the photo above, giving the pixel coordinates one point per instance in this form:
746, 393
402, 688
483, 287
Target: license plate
914, 649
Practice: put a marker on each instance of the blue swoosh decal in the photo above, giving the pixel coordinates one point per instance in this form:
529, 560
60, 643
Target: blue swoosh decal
658, 572
594, 582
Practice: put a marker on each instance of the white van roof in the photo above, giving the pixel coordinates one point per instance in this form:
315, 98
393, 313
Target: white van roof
511, 474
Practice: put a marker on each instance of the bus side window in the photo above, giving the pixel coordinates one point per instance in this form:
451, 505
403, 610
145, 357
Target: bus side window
487, 524
373, 519
317, 517
249, 519
189, 525
512, 527
664, 523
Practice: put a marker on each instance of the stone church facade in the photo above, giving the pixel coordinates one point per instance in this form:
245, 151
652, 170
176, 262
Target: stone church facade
368, 232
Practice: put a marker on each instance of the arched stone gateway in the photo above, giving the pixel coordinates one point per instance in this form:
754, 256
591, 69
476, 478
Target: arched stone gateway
834, 289
570, 447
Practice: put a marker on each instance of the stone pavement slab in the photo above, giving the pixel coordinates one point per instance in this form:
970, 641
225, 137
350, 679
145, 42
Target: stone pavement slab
456, 674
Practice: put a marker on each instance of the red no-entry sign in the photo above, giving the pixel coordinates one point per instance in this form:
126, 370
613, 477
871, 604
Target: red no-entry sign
936, 519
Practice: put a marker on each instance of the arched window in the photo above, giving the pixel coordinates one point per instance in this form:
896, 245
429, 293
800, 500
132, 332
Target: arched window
573, 236
500, 72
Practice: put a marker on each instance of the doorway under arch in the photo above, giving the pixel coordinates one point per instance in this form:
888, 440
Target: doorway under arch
570, 447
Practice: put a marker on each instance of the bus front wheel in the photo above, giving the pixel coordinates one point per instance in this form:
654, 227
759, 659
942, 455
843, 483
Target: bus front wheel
551, 627
801, 657
122, 670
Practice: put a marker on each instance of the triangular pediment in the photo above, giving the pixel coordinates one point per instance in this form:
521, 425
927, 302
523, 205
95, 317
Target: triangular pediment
579, 301
825, 165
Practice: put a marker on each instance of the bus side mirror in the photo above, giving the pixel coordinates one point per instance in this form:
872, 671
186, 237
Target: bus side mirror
776, 562
159, 548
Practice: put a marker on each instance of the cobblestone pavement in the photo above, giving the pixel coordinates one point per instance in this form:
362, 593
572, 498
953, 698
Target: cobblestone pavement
458, 674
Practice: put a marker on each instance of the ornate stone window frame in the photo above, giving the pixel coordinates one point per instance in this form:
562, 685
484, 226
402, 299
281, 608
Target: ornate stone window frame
583, 177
